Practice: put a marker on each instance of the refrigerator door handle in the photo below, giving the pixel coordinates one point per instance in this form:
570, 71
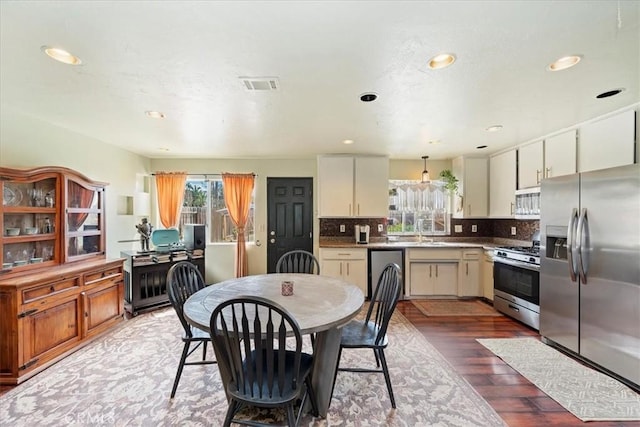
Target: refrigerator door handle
571, 244
581, 244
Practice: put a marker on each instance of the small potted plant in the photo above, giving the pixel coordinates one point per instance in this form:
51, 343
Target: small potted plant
451, 182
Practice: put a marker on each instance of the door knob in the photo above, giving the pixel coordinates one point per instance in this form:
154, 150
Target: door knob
272, 233
272, 240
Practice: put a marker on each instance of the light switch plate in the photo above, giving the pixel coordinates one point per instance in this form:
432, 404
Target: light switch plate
342, 228
513, 231
457, 228
380, 228
474, 228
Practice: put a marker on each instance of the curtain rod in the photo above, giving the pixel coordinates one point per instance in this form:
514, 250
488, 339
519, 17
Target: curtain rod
206, 174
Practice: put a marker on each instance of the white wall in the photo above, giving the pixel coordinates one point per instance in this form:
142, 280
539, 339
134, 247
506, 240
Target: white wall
412, 169
26, 142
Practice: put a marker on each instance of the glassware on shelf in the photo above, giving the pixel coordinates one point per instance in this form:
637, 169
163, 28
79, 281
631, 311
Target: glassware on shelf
11, 196
36, 197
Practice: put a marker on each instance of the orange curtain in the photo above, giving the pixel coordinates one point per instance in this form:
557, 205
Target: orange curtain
237, 196
170, 186
79, 197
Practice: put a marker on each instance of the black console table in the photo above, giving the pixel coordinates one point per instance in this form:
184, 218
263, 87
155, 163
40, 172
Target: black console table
145, 277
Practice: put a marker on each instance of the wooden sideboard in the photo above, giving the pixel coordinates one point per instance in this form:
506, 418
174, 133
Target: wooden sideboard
45, 316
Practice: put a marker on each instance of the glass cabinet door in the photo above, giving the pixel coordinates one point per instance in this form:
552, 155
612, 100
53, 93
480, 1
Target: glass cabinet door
84, 220
29, 219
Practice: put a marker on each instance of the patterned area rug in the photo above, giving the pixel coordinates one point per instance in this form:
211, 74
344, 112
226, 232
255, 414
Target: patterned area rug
444, 307
125, 377
585, 392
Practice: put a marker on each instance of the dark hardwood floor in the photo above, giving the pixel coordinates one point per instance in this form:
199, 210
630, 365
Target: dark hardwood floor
517, 401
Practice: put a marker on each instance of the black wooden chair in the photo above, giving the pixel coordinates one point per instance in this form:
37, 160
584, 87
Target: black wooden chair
263, 372
298, 261
184, 280
372, 332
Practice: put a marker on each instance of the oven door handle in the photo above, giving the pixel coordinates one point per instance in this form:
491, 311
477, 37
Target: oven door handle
514, 263
571, 243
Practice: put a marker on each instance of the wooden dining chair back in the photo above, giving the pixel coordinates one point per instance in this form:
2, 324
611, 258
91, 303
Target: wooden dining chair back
183, 280
298, 261
372, 332
259, 345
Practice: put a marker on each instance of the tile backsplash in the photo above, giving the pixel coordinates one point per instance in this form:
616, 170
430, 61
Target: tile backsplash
486, 227
330, 227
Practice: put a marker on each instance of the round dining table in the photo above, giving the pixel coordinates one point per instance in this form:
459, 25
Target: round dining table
320, 304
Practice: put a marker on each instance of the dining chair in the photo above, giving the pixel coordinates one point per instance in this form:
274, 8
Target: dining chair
298, 261
372, 332
250, 336
183, 280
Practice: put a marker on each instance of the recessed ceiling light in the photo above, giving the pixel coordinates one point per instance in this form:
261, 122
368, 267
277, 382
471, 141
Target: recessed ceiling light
494, 128
434, 141
163, 149
368, 97
155, 114
441, 61
610, 93
347, 141
480, 147
564, 63
61, 55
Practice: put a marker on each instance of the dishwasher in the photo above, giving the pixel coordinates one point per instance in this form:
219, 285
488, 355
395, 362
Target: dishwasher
378, 259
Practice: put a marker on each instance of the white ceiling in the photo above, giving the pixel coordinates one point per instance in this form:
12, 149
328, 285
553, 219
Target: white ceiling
183, 58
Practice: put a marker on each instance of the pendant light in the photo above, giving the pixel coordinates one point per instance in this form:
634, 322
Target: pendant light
425, 172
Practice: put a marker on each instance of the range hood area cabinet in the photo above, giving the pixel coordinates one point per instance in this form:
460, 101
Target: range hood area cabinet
353, 186
472, 200
502, 184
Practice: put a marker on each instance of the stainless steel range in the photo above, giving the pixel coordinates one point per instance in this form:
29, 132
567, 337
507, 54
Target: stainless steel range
516, 278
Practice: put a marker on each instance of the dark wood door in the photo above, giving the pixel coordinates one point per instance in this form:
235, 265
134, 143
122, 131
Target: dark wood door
289, 217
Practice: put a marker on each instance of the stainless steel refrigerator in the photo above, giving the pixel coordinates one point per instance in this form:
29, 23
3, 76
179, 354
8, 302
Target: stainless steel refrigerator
590, 267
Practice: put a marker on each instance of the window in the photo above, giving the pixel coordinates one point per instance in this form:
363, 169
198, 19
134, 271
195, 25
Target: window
204, 204
418, 208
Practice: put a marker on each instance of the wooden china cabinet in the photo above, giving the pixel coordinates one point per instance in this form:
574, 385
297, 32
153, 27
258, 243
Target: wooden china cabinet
57, 289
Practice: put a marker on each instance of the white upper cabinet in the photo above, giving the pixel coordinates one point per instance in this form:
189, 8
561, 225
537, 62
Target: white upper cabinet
371, 187
560, 154
473, 183
353, 186
530, 165
502, 184
607, 143
335, 186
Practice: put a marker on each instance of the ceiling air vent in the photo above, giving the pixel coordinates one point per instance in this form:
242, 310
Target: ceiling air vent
254, 84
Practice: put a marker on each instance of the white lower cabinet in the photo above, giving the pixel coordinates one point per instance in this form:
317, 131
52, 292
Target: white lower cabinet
469, 274
347, 264
434, 278
487, 275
